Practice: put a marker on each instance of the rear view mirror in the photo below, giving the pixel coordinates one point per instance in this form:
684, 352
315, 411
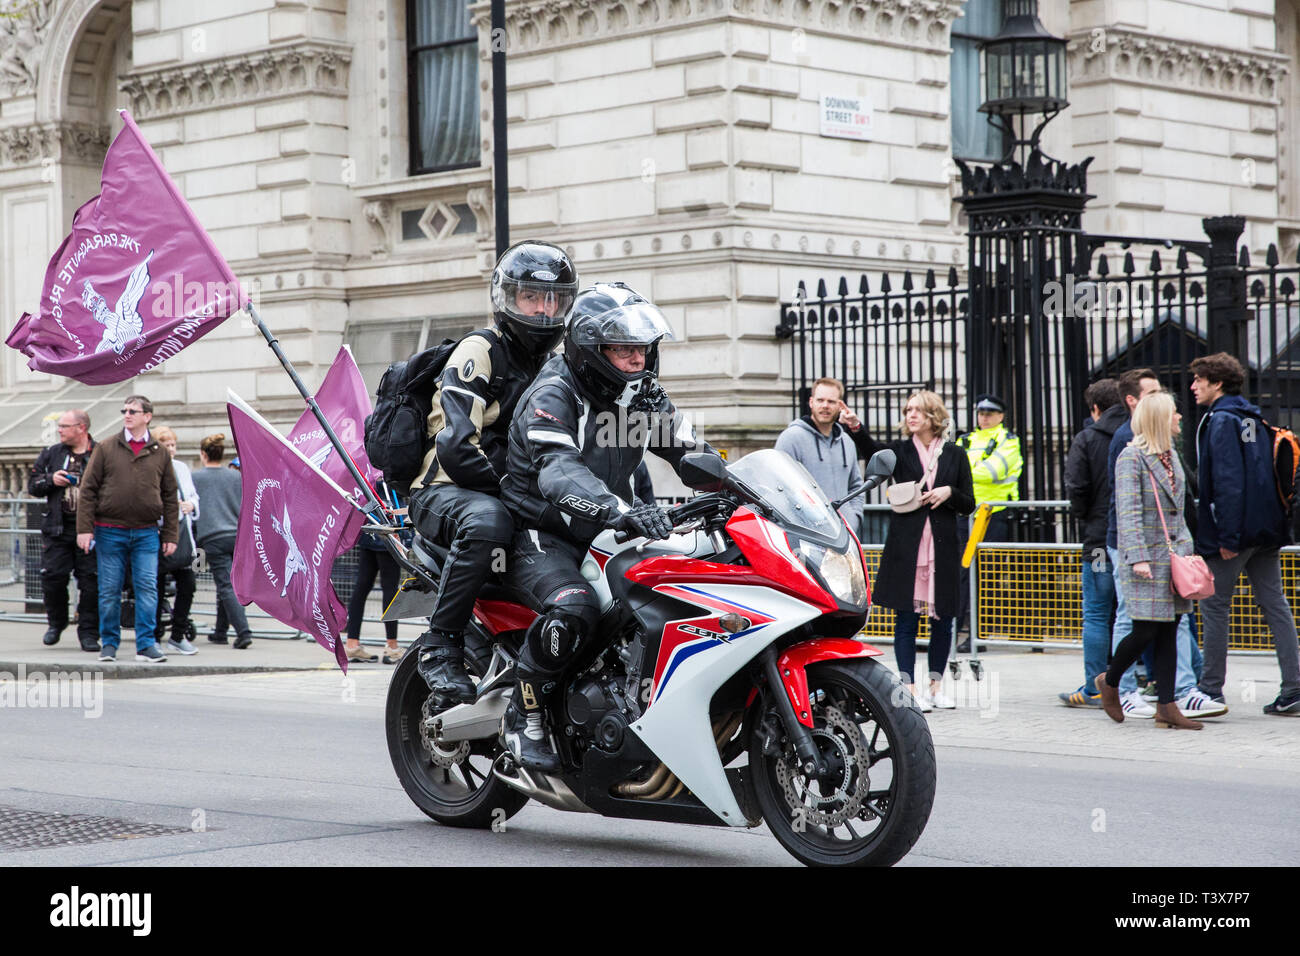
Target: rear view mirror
703, 472
882, 463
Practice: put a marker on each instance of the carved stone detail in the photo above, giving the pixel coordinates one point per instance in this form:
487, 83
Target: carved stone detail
304, 68
22, 40
532, 24
479, 200
380, 216
66, 142
1111, 54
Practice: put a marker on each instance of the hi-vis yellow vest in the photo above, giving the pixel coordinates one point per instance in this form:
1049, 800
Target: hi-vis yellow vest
995, 464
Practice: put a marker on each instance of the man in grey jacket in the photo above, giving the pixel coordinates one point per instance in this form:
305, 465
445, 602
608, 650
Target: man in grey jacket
818, 443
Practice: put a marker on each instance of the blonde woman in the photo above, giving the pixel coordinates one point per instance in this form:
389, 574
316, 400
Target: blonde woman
920, 570
1149, 480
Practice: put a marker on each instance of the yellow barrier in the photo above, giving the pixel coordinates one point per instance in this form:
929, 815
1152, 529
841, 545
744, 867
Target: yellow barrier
1032, 595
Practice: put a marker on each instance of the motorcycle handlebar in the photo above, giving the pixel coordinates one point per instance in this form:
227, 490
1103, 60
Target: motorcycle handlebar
674, 515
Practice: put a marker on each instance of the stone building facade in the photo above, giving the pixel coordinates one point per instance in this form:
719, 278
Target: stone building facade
672, 144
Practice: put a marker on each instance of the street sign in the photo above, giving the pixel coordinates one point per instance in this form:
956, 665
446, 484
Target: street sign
846, 117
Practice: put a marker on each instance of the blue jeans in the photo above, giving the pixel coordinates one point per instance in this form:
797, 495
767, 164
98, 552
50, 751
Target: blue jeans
1098, 618
1185, 677
114, 547
906, 626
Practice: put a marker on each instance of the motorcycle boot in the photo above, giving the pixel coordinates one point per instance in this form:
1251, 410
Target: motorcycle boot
523, 733
441, 663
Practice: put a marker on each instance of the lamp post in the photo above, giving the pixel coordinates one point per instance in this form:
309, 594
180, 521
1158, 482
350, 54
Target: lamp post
1023, 69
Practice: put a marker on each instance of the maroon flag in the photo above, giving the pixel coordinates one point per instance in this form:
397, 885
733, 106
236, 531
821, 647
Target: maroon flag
345, 402
293, 523
135, 281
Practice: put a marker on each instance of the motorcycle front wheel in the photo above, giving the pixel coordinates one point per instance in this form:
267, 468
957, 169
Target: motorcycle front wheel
872, 806
453, 784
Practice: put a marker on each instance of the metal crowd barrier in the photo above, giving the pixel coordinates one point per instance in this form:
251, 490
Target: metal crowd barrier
1031, 593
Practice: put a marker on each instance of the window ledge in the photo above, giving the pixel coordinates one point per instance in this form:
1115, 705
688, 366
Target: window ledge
427, 182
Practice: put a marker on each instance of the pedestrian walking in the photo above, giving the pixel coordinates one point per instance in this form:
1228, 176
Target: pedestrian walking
180, 571
55, 477
1087, 484
920, 569
373, 560
220, 489
1149, 487
1241, 524
128, 485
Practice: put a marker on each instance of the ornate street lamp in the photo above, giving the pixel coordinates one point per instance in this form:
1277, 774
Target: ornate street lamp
1024, 75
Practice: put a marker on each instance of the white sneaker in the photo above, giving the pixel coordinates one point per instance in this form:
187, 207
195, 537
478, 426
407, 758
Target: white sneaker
942, 701
1196, 704
1135, 706
183, 646
918, 695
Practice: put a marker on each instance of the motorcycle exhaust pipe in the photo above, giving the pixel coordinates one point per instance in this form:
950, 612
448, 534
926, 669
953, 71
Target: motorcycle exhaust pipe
663, 783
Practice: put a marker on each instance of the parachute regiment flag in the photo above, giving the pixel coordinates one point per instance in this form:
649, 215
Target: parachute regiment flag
294, 522
136, 280
345, 402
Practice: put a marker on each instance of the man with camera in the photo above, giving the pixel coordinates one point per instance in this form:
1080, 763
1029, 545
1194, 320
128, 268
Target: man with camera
56, 478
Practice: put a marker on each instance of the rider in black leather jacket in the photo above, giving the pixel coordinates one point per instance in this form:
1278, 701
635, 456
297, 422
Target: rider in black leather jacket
456, 501
577, 436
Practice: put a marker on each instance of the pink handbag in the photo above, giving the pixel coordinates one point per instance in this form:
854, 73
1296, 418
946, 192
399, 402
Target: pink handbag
1190, 575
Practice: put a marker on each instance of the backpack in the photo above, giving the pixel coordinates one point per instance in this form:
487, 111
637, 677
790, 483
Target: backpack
1286, 461
396, 432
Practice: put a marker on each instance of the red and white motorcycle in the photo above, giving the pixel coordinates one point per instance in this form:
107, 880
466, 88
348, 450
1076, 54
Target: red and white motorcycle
725, 686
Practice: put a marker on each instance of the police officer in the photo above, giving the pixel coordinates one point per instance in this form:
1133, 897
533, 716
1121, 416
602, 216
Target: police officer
577, 437
457, 502
995, 467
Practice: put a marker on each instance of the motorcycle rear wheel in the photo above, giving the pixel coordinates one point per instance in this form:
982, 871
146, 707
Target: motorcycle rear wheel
463, 794
887, 818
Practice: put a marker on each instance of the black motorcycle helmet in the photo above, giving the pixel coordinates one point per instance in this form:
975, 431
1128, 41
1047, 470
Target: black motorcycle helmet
533, 286
612, 314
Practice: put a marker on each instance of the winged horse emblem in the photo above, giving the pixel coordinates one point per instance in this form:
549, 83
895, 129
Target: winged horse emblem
123, 324
294, 561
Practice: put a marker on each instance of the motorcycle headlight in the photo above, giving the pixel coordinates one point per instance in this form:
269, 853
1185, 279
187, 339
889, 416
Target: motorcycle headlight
842, 572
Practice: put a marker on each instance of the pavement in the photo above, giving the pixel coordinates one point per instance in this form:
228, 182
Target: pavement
1013, 707
20, 644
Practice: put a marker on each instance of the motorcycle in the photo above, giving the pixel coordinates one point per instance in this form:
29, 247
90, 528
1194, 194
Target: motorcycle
724, 685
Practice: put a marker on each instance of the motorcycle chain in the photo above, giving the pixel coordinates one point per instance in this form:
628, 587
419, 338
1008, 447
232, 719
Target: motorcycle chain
850, 803
438, 754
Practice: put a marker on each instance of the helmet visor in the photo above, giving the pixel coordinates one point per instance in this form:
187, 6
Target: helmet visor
638, 323
541, 305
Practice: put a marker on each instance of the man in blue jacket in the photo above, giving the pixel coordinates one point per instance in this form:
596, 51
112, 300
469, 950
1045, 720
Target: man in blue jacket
1241, 523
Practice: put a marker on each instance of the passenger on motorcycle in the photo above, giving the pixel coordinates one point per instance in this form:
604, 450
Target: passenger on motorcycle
456, 502
577, 436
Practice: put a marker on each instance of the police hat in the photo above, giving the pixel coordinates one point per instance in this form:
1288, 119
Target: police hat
990, 403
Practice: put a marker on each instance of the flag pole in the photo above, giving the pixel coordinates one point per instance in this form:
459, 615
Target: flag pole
373, 510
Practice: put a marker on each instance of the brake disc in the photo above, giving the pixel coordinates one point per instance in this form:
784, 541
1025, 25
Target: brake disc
832, 809
442, 755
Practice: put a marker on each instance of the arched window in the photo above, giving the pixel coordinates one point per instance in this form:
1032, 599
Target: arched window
972, 136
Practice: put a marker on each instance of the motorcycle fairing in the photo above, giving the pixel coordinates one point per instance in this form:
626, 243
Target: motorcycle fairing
676, 726
793, 663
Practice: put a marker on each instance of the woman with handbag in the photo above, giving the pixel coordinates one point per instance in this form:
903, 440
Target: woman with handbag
178, 565
1158, 571
920, 569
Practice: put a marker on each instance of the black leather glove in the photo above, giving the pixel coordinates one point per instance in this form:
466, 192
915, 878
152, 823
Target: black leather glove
645, 521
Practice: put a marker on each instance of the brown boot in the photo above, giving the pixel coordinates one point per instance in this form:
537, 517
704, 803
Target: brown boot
1169, 717
1110, 700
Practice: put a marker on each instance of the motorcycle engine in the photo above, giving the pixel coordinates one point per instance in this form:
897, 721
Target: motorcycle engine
602, 701
598, 710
